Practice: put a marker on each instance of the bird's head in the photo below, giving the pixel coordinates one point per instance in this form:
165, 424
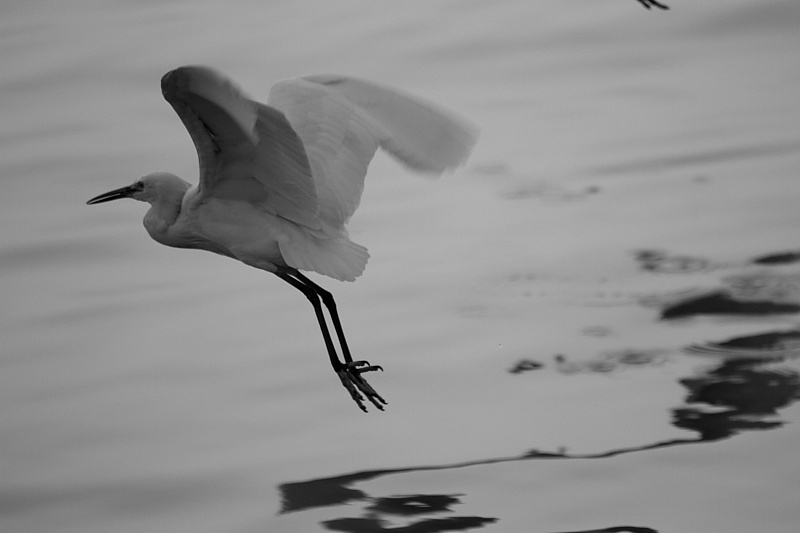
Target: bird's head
152, 188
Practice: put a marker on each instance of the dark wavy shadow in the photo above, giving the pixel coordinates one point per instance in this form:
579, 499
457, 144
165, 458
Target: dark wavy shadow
615, 529
740, 394
430, 525
767, 292
778, 258
724, 303
770, 345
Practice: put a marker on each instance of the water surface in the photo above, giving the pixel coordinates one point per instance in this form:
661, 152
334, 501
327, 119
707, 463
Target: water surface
593, 324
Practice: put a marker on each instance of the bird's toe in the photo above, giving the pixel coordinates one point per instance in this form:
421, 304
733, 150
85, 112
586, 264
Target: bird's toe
362, 366
358, 387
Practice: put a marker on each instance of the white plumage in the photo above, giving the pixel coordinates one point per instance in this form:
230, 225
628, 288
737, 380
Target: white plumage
279, 181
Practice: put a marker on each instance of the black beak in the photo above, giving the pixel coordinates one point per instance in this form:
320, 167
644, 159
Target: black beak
116, 194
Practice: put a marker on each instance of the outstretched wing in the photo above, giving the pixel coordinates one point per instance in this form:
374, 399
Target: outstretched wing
342, 121
247, 151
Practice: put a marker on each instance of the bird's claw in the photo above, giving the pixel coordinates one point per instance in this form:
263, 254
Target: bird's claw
650, 3
357, 386
363, 366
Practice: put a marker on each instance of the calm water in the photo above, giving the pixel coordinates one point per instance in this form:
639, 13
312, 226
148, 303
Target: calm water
593, 324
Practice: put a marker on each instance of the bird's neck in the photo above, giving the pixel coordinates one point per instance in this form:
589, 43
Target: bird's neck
161, 217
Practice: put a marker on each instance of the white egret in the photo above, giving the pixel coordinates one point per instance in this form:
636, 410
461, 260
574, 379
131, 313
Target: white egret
278, 182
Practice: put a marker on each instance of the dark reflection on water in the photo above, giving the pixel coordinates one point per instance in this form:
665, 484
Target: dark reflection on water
413, 505
525, 365
778, 258
743, 394
429, 525
761, 293
605, 362
336, 491
723, 303
768, 291
763, 346
615, 529
740, 394
661, 261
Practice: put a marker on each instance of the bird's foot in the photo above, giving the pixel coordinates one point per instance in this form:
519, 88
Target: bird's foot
357, 386
650, 3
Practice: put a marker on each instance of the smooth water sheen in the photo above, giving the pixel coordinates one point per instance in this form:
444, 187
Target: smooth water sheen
594, 324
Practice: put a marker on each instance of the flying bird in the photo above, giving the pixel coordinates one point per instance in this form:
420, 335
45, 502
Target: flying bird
279, 181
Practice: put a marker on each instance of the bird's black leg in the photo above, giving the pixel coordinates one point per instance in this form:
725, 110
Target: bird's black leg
330, 303
349, 371
323, 326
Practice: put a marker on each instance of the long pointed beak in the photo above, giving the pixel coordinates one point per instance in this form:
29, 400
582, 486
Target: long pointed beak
116, 194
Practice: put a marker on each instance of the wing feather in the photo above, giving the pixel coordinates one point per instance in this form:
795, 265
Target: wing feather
304, 156
342, 121
247, 151
420, 134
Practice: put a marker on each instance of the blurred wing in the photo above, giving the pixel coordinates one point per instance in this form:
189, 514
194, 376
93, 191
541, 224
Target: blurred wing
247, 151
342, 121
422, 135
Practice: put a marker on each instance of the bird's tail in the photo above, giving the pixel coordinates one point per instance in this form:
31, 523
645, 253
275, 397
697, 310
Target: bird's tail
338, 258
